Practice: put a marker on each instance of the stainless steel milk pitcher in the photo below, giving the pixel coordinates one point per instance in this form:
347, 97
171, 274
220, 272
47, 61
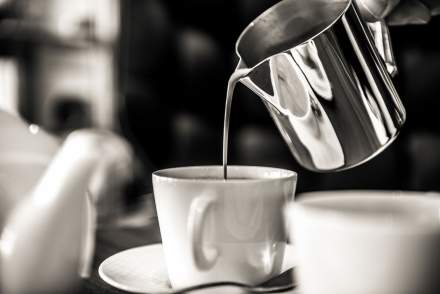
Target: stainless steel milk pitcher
317, 70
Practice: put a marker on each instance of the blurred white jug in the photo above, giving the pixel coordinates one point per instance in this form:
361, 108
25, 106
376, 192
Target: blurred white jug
47, 217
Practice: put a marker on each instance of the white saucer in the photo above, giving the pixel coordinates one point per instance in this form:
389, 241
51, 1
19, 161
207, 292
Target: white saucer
142, 269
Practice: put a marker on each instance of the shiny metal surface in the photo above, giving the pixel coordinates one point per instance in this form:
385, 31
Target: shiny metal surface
315, 66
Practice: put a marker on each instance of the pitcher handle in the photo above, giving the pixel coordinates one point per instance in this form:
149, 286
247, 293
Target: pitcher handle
373, 13
382, 40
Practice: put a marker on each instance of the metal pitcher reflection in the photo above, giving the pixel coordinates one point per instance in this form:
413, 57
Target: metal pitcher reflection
317, 70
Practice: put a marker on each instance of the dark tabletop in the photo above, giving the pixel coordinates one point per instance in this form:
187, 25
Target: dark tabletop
131, 228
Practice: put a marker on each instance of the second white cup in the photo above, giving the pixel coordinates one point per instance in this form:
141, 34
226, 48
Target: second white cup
366, 242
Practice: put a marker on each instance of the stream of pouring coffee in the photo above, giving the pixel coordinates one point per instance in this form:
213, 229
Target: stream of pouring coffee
233, 80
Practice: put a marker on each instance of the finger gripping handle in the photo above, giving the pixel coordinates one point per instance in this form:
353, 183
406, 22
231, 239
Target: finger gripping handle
382, 40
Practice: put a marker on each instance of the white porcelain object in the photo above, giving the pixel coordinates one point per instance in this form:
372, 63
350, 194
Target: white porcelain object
25, 152
367, 242
217, 230
143, 269
46, 220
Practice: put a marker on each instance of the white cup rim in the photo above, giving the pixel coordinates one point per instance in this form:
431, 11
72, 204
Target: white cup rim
322, 207
256, 174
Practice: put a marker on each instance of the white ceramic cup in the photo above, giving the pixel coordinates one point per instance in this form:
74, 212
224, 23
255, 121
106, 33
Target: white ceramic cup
366, 242
222, 230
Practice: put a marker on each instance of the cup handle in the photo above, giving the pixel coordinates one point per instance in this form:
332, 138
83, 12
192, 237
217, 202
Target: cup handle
198, 212
382, 40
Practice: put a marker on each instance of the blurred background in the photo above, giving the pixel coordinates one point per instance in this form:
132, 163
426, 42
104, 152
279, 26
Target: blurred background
155, 71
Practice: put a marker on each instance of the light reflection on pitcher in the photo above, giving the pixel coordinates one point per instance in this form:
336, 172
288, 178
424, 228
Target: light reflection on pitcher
315, 66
